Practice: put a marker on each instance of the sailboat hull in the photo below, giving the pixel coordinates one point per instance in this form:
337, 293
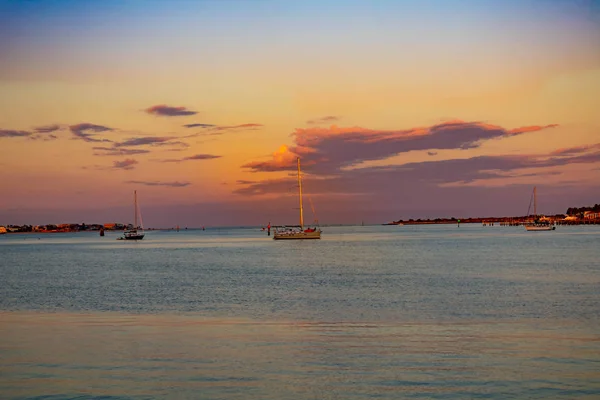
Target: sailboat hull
134, 237
297, 235
539, 228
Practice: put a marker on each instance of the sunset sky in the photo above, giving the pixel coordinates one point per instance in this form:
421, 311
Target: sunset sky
397, 109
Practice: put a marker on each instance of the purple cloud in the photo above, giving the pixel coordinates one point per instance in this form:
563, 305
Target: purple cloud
127, 164
420, 175
328, 150
158, 183
169, 111
85, 131
201, 157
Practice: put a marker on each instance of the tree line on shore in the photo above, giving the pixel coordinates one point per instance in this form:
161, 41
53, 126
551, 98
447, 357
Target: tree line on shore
577, 211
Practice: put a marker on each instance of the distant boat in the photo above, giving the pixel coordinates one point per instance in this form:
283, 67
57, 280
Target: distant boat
297, 232
537, 225
137, 232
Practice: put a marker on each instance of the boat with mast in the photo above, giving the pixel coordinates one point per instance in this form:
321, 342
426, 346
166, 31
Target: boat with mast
297, 232
537, 225
137, 231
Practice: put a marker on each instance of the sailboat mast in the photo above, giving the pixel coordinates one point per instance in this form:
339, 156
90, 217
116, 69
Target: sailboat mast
535, 201
300, 192
135, 209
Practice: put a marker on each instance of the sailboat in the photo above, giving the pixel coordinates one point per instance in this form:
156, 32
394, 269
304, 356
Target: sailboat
137, 232
297, 232
537, 226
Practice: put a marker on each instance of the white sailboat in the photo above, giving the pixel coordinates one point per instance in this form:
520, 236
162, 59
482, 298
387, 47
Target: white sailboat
297, 232
537, 226
137, 232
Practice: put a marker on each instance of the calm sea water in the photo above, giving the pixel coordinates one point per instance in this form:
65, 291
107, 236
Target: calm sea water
366, 312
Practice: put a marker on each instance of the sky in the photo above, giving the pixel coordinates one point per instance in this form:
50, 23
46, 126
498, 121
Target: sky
396, 109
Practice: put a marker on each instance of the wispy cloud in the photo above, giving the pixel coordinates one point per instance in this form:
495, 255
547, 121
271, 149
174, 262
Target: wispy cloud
127, 164
45, 137
217, 130
111, 151
158, 183
169, 111
323, 120
176, 143
199, 126
10, 133
123, 148
250, 126
47, 128
86, 132
331, 149
33, 135
222, 129
192, 158
146, 140
567, 151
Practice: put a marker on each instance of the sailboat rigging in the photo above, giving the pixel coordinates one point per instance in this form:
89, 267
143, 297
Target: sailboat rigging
137, 231
537, 225
297, 232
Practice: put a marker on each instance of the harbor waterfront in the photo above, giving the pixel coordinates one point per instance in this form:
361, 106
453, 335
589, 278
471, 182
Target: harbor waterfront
435, 311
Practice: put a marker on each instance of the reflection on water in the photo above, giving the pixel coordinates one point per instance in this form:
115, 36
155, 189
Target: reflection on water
194, 357
387, 312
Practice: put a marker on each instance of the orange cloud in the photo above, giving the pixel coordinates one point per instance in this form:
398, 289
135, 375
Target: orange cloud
532, 128
282, 159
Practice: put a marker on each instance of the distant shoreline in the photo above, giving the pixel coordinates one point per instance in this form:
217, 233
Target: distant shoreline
444, 221
504, 221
